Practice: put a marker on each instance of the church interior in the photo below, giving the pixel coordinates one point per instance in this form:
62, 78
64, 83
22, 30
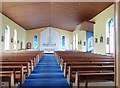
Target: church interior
59, 44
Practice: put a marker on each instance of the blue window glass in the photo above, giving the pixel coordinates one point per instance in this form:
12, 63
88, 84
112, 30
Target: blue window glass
35, 42
63, 41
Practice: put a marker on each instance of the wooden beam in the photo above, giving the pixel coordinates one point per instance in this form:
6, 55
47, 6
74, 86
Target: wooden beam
91, 22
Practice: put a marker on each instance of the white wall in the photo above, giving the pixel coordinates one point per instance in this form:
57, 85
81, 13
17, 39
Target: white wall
68, 40
21, 32
81, 37
49, 39
100, 29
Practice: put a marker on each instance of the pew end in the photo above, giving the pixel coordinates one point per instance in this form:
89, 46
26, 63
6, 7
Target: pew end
65, 69
69, 75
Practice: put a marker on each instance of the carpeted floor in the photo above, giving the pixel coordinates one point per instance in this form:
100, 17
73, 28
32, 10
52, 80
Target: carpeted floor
47, 74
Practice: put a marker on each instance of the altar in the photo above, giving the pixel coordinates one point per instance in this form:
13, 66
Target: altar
49, 48
49, 40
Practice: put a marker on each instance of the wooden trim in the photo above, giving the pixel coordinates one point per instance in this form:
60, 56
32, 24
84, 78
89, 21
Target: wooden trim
91, 22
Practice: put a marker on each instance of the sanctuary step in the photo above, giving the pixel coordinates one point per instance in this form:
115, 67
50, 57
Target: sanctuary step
47, 74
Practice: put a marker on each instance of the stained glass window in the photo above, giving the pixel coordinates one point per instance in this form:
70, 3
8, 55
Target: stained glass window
63, 42
35, 42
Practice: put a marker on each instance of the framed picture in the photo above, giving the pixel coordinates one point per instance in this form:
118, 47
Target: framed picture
17, 41
108, 40
11, 40
84, 43
96, 40
80, 42
101, 39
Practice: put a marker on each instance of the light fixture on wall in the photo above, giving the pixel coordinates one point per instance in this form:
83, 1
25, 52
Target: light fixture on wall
96, 40
84, 43
108, 40
101, 39
11, 40
80, 42
17, 41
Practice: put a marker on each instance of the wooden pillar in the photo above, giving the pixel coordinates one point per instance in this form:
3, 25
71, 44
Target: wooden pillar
117, 38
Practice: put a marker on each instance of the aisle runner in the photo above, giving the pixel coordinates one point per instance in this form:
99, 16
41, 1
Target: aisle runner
47, 74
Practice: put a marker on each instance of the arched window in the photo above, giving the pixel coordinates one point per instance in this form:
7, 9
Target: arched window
110, 36
7, 38
35, 43
76, 41
15, 39
63, 42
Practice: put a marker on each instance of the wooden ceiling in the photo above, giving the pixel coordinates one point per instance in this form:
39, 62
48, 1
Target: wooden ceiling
64, 15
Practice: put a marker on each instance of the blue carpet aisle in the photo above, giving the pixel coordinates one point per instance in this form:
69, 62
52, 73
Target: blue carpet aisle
47, 74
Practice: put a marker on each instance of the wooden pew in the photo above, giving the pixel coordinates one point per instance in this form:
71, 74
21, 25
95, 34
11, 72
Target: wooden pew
19, 62
87, 69
24, 60
66, 64
14, 69
91, 61
26, 65
64, 56
87, 65
92, 77
7, 76
19, 56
